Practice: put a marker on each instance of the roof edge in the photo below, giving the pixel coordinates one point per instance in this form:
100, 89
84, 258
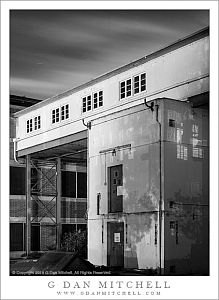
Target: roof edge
173, 46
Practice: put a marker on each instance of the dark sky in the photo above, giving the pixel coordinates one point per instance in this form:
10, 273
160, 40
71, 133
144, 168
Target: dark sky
55, 50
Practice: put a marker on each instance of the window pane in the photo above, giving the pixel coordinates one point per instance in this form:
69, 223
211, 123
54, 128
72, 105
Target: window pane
67, 111
68, 184
53, 116
143, 82
57, 114
122, 90
136, 84
100, 98
88, 102
84, 104
39, 122
28, 126
31, 124
128, 88
16, 237
35, 123
17, 181
82, 185
95, 100
62, 113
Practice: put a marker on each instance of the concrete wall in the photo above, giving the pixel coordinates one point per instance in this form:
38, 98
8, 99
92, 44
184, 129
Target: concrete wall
186, 185
177, 74
140, 189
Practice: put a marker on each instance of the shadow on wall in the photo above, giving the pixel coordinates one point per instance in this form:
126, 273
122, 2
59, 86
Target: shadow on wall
192, 216
193, 225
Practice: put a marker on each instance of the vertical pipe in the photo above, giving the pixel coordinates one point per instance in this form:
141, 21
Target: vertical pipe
28, 205
160, 196
58, 205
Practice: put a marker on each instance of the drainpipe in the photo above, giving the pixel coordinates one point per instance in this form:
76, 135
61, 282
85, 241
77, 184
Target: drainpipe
160, 200
151, 107
14, 152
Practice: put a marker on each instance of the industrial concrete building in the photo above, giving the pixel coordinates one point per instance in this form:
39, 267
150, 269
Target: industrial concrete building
140, 133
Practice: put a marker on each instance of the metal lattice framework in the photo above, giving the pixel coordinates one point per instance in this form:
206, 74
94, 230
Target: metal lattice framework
43, 183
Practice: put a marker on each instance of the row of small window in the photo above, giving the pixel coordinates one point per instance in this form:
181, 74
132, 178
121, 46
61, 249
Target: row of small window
182, 152
33, 124
137, 84
60, 113
91, 102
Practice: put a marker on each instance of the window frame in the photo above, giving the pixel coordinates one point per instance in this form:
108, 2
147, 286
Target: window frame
96, 101
33, 124
141, 86
60, 113
126, 91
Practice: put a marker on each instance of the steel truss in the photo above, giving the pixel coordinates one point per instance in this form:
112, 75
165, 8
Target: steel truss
40, 181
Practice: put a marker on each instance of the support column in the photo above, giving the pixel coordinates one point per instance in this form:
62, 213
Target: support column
58, 205
28, 205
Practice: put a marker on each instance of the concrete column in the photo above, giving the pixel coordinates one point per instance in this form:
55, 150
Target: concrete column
28, 205
58, 205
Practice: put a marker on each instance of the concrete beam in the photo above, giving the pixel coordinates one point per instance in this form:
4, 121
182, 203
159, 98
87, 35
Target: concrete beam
54, 143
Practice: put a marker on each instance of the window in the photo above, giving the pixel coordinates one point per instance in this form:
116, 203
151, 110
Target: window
84, 104
143, 82
17, 181
17, 236
57, 115
139, 83
28, 126
172, 123
64, 112
197, 152
39, 122
126, 88
122, 90
60, 114
68, 184
81, 185
53, 116
88, 102
101, 98
136, 85
172, 225
182, 152
33, 124
97, 99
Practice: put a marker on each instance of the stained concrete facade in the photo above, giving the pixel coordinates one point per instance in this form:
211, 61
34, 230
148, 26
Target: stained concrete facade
179, 159
147, 159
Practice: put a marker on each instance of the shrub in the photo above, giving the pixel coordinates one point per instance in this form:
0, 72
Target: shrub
74, 241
